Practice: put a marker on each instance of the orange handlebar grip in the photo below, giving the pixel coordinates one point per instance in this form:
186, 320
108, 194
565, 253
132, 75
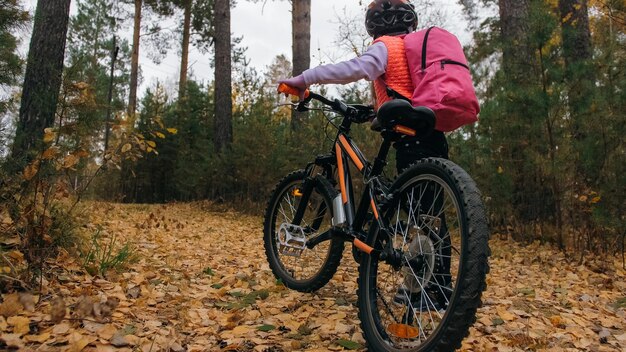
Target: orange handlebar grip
283, 88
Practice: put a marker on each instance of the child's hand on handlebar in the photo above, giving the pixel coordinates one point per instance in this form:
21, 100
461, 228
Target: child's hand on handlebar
298, 83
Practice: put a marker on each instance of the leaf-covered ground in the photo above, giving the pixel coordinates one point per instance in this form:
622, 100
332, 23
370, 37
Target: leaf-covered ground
201, 283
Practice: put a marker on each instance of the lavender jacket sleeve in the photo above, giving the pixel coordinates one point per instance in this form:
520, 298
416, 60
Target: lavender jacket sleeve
371, 65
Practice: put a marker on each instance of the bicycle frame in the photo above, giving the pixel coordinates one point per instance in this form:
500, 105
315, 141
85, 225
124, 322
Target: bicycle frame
347, 223
351, 221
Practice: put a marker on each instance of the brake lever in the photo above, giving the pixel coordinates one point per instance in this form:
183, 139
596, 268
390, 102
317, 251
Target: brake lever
303, 104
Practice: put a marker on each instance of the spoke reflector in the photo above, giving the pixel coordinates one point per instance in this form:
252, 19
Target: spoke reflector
403, 331
297, 192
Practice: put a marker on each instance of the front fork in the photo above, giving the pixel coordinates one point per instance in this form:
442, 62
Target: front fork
340, 216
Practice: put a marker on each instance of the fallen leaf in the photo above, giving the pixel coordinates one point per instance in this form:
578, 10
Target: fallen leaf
266, 328
16, 255
12, 340
351, 345
242, 330
557, 321
497, 321
175, 347
504, 314
61, 329
37, 338
11, 305
107, 332
92, 327
78, 342
119, 340
20, 325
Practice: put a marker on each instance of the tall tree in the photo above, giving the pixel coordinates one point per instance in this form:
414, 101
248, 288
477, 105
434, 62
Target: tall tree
577, 52
301, 43
91, 44
134, 63
42, 79
223, 135
197, 23
184, 61
516, 131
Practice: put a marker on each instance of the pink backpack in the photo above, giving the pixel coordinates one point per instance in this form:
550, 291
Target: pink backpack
441, 77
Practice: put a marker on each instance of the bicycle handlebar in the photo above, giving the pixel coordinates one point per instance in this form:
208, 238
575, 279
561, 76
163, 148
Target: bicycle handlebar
354, 112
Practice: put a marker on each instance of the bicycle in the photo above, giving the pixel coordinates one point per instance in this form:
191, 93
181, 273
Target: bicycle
422, 241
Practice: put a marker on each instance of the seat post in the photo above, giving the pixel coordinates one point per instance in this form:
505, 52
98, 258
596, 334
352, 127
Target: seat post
381, 160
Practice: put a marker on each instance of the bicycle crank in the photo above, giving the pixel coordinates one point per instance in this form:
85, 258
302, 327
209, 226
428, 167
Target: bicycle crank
291, 240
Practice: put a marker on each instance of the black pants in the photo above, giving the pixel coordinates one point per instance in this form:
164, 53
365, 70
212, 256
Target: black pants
410, 151
407, 153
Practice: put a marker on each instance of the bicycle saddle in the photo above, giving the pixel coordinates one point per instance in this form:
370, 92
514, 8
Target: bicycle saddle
399, 112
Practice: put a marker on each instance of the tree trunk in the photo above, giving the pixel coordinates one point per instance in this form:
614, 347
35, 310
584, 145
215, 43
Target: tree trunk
134, 62
42, 79
577, 53
517, 66
223, 135
301, 44
184, 61
514, 27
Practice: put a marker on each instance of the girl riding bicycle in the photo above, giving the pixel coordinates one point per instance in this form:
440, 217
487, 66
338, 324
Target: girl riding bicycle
423, 257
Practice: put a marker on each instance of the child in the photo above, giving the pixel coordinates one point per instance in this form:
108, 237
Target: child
383, 18
386, 21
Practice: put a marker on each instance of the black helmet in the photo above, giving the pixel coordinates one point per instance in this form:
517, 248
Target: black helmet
390, 17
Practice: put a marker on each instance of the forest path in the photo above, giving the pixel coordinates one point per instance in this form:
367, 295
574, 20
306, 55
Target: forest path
202, 283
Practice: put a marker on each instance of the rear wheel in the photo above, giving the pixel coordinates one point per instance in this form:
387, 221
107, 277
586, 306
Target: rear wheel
425, 295
297, 266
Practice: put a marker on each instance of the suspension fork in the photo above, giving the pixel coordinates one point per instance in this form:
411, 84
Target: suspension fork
325, 162
305, 195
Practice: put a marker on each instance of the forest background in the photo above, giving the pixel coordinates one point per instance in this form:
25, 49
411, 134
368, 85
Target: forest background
548, 152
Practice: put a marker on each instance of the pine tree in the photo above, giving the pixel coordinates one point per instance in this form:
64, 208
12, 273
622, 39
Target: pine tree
42, 79
91, 43
301, 44
134, 68
223, 135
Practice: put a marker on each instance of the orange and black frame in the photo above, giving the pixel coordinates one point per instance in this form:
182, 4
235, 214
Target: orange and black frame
344, 153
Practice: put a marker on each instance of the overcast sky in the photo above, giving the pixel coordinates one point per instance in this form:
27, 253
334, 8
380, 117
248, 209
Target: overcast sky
266, 33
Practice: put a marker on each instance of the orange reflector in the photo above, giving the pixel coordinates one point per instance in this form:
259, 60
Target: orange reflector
404, 130
403, 331
297, 193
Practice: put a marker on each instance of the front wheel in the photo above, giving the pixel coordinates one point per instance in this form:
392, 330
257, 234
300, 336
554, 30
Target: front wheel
424, 295
286, 233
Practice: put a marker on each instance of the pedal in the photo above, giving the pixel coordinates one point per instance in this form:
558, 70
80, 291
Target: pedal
291, 240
